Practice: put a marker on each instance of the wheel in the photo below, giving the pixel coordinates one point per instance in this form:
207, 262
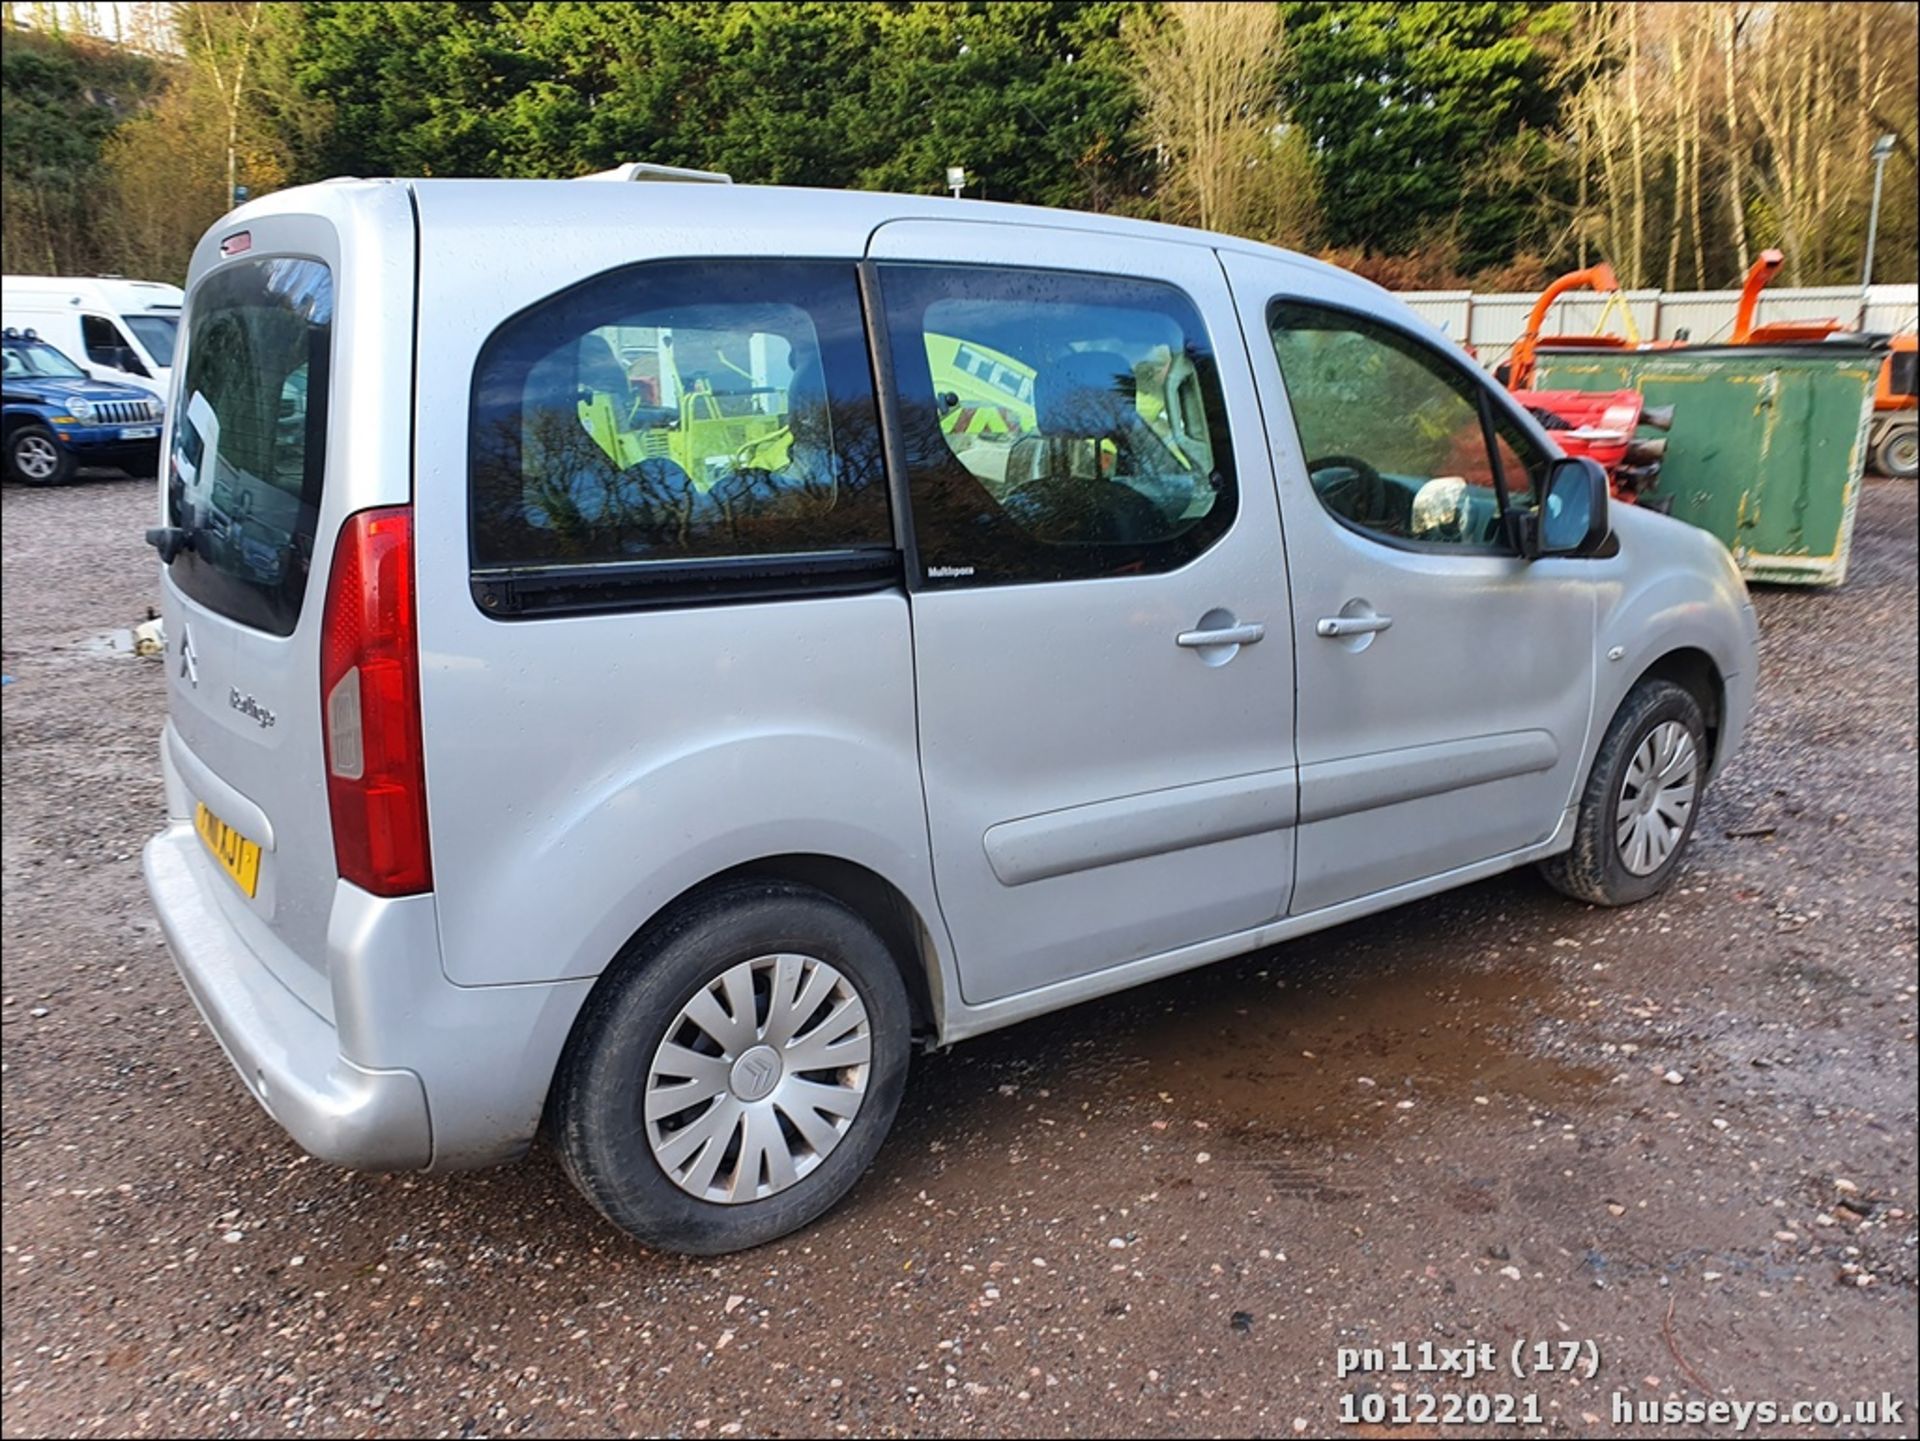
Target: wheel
36, 457
1641, 800
737, 1073
1897, 452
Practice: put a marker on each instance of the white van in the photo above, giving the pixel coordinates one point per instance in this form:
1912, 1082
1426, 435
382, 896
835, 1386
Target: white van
117, 329
642, 656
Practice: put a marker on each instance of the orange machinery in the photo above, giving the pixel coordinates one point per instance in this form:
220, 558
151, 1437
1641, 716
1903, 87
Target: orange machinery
1596, 424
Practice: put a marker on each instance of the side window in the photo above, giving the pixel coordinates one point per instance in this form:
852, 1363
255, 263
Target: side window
1392, 432
1057, 426
675, 411
107, 346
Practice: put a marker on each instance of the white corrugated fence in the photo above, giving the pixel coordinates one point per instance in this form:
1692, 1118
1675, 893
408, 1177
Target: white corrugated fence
1491, 323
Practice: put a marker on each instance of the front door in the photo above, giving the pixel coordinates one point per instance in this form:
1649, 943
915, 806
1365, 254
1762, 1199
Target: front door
1446, 684
1102, 641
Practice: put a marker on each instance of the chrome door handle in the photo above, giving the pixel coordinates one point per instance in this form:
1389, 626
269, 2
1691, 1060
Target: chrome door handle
1334, 626
1245, 633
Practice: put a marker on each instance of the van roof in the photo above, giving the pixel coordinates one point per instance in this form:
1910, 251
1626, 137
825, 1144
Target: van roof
110, 292
723, 218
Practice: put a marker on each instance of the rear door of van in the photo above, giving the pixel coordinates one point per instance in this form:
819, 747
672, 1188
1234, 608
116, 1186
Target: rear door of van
290, 412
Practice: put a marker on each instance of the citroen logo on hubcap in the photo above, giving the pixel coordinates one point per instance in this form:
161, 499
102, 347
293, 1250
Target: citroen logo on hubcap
755, 1074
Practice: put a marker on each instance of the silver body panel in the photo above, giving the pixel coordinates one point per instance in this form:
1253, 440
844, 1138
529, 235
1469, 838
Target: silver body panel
1140, 797
1064, 798
1452, 737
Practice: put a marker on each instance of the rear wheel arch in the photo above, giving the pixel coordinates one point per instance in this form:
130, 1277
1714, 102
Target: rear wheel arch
865, 892
873, 898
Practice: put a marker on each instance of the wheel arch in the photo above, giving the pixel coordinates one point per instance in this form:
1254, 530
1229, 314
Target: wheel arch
864, 891
12, 419
872, 897
1695, 672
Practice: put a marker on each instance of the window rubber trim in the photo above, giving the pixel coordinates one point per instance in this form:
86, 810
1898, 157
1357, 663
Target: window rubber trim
886, 403
540, 592
1511, 526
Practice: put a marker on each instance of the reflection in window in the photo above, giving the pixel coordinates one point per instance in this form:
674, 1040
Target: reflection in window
1059, 425
249, 444
676, 411
1392, 432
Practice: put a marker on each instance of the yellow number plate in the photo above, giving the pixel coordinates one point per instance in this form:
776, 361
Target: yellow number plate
238, 856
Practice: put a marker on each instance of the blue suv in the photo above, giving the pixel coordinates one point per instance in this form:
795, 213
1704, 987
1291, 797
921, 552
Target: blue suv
56, 417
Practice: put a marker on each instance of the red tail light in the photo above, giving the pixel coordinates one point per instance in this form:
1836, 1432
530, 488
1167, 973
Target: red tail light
370, 707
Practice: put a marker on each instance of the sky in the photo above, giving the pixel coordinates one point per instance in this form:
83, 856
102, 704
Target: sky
140, 22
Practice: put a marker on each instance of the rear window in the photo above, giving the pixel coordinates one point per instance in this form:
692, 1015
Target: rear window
249, 439
679, 411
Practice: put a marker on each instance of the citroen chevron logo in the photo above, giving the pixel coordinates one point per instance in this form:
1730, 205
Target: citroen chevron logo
755, 1073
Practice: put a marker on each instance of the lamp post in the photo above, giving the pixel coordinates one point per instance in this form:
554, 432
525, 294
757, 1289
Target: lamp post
1882, 149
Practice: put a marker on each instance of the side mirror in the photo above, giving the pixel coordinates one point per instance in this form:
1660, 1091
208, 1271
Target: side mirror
1573, 509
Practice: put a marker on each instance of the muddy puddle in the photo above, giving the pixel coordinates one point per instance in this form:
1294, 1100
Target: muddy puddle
1312, 1055
1324, 1038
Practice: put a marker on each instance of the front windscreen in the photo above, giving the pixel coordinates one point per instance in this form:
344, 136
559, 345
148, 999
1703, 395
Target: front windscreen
157, 333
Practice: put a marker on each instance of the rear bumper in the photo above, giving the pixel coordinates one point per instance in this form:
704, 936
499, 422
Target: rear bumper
352, 1115
412, 1072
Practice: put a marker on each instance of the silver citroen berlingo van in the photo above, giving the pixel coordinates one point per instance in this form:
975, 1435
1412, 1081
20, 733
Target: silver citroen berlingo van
641, 656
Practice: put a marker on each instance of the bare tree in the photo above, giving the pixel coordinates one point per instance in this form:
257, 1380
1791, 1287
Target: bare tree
1798, 93
1208, 80
1727, 36
1814, 77
224, 53
177, 166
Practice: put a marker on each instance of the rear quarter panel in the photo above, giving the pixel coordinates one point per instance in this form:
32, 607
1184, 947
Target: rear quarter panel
583, 771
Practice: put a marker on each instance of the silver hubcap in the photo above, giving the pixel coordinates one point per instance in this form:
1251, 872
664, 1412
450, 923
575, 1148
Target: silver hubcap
1657, 798
758, 1078
36, 457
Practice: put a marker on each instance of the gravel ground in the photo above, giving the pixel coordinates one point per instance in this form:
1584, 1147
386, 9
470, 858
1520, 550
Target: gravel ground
1684, 1132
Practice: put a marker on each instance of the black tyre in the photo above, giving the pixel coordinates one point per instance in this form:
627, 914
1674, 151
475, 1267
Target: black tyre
36, 456
1641, 800
1897, 453
735, 1075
